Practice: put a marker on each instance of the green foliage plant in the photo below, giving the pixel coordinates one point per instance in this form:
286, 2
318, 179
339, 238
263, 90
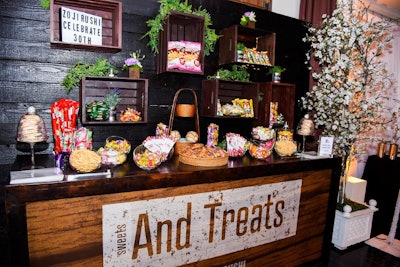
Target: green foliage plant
276, 69
238, 73
166, 6
74, 75
112, 99
45, 4
240, 47
355, 206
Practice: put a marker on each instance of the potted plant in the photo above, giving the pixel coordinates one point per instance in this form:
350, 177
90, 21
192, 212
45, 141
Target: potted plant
349, 98
248, 19
166, 6
276, 73
74, 75
111, 100
133, 64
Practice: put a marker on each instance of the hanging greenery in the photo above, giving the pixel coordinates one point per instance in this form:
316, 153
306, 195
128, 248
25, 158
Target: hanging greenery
166, 6
100, 68
45, 4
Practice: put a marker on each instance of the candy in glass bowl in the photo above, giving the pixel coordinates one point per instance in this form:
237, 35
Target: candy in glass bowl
111, 156
263, 142
147, 159
118, 143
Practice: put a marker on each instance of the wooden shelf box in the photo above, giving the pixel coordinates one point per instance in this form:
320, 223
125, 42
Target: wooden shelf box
180, 27
252, 38
225, 92
132, 92
111, 26
284, 94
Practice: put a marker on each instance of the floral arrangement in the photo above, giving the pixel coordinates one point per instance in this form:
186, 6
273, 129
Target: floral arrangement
352, 87
134, 61
247, 17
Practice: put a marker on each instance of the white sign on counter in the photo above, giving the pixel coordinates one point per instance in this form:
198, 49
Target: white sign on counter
80, 28
190, 228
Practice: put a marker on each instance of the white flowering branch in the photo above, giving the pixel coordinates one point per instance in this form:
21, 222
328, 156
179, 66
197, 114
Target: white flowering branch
352, 87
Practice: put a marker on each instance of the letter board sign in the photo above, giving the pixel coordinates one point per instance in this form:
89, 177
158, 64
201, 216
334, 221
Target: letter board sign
80, 28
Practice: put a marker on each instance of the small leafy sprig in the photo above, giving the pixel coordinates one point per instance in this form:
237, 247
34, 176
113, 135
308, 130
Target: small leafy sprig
112, 99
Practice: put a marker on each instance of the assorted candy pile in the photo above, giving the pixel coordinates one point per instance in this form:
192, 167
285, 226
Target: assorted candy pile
114, 151
262, 143
97, 111
236, 145
111, 157
145, 159
261, 149
118, 143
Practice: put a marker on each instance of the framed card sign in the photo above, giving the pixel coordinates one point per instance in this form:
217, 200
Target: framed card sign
86, 24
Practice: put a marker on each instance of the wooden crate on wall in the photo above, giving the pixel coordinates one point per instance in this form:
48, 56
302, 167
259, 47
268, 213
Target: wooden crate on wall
111, 13
180, 27
132, 92
252, 38
225, 92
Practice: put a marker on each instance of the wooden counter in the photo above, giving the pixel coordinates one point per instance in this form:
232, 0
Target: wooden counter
69, 223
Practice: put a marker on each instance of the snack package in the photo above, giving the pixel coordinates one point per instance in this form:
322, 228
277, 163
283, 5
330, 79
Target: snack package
64, 114
236, 145
83, 139
192, 56
176, 51
162, 129
273, 113
212, 134
219, 108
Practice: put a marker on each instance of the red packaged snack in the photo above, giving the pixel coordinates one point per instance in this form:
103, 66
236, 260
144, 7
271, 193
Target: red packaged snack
64, 114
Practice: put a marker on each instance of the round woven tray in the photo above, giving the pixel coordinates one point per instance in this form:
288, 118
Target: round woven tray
179, 146
204, 162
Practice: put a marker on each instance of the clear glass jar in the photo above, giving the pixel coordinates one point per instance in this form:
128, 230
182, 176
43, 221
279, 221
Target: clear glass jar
261, 149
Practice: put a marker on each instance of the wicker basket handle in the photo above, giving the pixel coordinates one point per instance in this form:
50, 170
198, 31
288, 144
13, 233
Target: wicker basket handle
173, 109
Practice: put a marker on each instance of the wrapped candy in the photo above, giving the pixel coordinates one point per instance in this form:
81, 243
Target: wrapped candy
83, 139
273, 113
212, 134
162, 129
236, 145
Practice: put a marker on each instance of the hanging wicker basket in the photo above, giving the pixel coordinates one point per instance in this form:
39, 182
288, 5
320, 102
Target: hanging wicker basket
185, 110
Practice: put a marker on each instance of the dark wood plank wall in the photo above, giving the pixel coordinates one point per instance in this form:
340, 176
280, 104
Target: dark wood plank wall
31, 71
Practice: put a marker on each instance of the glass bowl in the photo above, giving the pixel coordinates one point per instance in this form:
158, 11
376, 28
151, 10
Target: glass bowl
111, 156
261, 149
285, 147
118, 143
145, 159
